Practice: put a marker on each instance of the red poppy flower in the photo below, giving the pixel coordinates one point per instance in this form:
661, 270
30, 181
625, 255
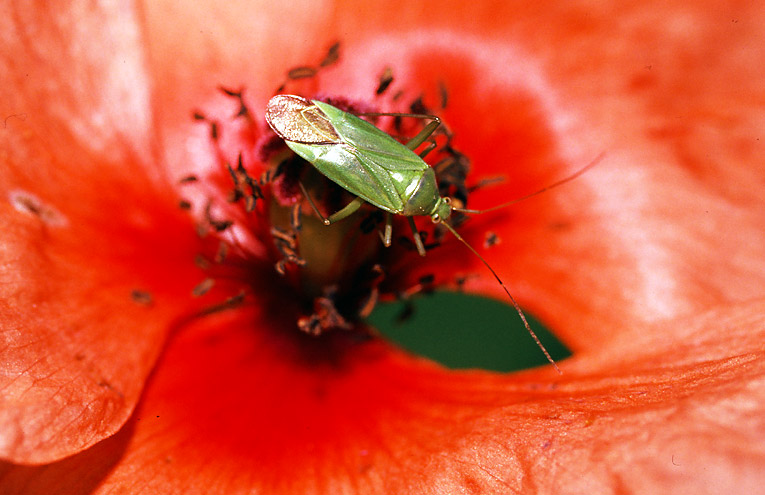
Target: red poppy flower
650, 267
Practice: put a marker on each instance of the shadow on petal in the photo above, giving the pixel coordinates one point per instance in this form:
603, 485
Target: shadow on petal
80, 474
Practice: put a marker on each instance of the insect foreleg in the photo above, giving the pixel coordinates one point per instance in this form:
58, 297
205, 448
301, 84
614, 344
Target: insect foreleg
310, 201
424, 134
430, 147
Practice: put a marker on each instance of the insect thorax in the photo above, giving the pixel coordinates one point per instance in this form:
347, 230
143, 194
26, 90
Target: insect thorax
424, 199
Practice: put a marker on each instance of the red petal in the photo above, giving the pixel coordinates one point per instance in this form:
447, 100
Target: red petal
262, 415
628, 240
92, 246
246, 410
248, 46
534, 95
629, 243
624, 242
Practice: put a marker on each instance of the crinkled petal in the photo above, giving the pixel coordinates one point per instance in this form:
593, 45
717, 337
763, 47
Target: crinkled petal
254, 412
90, 239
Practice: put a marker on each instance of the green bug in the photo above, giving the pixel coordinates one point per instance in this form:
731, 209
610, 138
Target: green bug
361, 159
377, 169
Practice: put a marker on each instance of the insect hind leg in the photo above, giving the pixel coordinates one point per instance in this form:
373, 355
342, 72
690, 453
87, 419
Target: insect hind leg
421, 136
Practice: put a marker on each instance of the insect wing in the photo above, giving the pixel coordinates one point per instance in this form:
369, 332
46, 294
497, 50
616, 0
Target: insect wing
371, 141
354, 172
370, 163
295, 119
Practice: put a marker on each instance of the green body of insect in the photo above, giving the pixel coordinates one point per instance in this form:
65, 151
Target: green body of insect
360, 158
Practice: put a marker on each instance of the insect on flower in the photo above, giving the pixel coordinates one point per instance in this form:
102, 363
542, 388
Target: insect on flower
377, 169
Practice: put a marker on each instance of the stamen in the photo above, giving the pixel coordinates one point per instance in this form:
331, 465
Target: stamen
217, 225
220, 255
203, 287
29, 203
333, 54
385, 80
286, 243
201, 262
141, 297
368, 304
289, 238
444, 94
188, 179
491, 239
296, 218
325, 316
229, 303
423, 286
301, 72
243, 110
241, 178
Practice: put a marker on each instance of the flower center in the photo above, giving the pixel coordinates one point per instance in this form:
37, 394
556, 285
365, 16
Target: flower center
263, 204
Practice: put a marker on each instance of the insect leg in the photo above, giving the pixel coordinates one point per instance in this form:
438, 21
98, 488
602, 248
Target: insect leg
431, 146
421, 136
416, 236
386, 237
425, 133
346, 211
310, 201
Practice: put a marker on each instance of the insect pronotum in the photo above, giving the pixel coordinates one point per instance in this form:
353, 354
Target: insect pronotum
377, 169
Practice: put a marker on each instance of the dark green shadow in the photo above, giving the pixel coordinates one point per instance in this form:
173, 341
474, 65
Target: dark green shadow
466, 331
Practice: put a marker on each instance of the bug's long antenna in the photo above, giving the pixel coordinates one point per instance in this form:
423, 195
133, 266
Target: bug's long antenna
515, 304
540, 191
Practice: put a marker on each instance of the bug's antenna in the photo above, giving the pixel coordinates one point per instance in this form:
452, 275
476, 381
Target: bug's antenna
540, 191
515, 304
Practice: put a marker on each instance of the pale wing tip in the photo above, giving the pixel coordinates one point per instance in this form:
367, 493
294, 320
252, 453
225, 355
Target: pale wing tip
297, 119
281, 114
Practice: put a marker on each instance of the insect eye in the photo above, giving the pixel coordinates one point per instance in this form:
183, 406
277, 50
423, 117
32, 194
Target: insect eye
448, 201
436, 218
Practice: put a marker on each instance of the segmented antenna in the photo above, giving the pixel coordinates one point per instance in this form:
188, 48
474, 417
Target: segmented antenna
540, 191
515, 304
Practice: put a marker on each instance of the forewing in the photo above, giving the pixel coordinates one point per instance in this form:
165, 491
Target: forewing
356, 171
367, 162
375, 144
294, 118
